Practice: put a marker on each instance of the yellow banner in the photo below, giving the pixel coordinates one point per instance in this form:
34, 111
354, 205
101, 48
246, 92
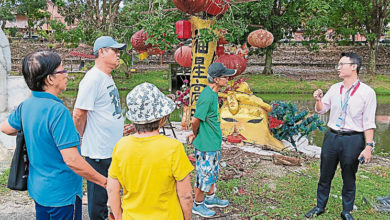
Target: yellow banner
203, 54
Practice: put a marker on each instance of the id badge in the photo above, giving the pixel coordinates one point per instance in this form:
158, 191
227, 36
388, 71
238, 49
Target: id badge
339, 121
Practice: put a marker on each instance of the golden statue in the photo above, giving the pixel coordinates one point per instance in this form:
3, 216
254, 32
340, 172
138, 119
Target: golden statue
245, 115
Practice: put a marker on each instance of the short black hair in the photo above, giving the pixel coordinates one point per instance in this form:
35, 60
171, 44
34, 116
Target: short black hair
37, 65
149, 127
355, 58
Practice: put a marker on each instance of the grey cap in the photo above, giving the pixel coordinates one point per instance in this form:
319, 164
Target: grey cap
218, 70
147, 104
106, 41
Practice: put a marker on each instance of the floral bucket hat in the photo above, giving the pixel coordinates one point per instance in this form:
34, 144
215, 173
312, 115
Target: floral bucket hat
147, 104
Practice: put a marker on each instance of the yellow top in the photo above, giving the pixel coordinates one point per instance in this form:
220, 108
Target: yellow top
148, 169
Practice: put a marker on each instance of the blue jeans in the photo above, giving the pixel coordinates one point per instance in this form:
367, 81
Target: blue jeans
97, 195
68, 212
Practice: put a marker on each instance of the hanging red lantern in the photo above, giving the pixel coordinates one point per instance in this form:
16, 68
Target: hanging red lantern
233, 62
191, 6
220, 50
183, 56
217, 7
260, 38
138, 41
183, 29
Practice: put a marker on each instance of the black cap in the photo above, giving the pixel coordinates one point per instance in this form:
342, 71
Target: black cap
218, 70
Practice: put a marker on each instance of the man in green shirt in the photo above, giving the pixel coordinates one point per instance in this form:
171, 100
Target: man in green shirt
208, 139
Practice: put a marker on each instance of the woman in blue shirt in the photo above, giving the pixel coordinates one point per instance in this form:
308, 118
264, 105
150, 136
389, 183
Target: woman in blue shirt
53, 144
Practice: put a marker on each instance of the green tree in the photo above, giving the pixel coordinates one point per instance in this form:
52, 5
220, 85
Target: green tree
95, 17
280, 17
349, 17
6, 12
35, 10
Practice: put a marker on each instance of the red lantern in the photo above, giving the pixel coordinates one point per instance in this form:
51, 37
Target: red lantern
220, 50
217, 7
260, 38
183, 29
138, 41
183, 56
233, 62
191, 6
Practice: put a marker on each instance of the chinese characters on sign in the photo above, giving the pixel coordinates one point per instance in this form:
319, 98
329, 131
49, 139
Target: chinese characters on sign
203, 55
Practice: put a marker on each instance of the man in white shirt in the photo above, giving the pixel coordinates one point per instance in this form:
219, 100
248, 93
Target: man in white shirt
98, 118
352, 106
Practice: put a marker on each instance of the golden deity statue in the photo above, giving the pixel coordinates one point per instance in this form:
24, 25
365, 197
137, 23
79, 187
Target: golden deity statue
245, 115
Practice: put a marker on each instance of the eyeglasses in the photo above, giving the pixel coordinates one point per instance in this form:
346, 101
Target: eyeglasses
340, 64
61, 72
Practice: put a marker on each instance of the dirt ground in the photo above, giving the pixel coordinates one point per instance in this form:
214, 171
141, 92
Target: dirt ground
235, 164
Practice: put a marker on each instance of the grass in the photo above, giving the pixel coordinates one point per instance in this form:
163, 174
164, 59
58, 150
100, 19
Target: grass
260, 84
4, 182
269, 88
291, 196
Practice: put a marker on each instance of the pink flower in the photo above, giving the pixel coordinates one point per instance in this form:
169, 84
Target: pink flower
185, 81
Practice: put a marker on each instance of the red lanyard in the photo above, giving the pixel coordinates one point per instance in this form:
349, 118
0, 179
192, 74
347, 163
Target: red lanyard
353, 91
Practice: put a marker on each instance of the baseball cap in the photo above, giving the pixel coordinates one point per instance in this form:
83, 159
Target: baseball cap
106, 41
218, 70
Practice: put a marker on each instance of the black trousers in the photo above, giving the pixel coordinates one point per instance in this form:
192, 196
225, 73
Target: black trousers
346, 150
97, 195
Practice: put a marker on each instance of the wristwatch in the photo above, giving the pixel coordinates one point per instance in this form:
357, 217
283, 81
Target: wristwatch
372, 145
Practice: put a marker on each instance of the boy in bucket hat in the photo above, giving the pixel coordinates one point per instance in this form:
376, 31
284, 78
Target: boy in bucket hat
208, 139
152, 169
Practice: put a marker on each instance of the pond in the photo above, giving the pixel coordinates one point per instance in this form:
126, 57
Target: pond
305, 102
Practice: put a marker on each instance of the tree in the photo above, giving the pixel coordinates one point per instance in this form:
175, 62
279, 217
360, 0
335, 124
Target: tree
280, 17
6, 12
349, 17
35, 10
92, 15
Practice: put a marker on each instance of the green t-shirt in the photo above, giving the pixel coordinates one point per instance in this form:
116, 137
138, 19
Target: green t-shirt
209, 137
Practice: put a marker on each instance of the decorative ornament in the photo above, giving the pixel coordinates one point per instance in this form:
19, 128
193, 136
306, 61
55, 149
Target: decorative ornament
220, 50
183, 29
217, 7
260, 38
191, 6
233, 62
183, 56
138, 41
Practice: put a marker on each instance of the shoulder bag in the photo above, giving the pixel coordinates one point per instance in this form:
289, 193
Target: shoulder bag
18, 174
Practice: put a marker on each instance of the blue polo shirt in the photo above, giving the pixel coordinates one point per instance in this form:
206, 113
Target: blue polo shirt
48, 128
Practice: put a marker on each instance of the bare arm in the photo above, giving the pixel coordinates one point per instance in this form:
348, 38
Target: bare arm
195, 128
114, 197
75, 162
184, 193
195, 125
366, 153
7, 129
80, 120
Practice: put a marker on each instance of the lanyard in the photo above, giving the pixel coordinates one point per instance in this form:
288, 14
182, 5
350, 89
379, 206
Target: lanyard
343, 106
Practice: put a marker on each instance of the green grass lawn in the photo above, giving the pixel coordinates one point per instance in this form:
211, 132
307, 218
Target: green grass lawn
258, 83
291, 196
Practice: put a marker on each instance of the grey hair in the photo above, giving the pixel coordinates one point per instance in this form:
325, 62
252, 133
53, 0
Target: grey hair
37, 65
